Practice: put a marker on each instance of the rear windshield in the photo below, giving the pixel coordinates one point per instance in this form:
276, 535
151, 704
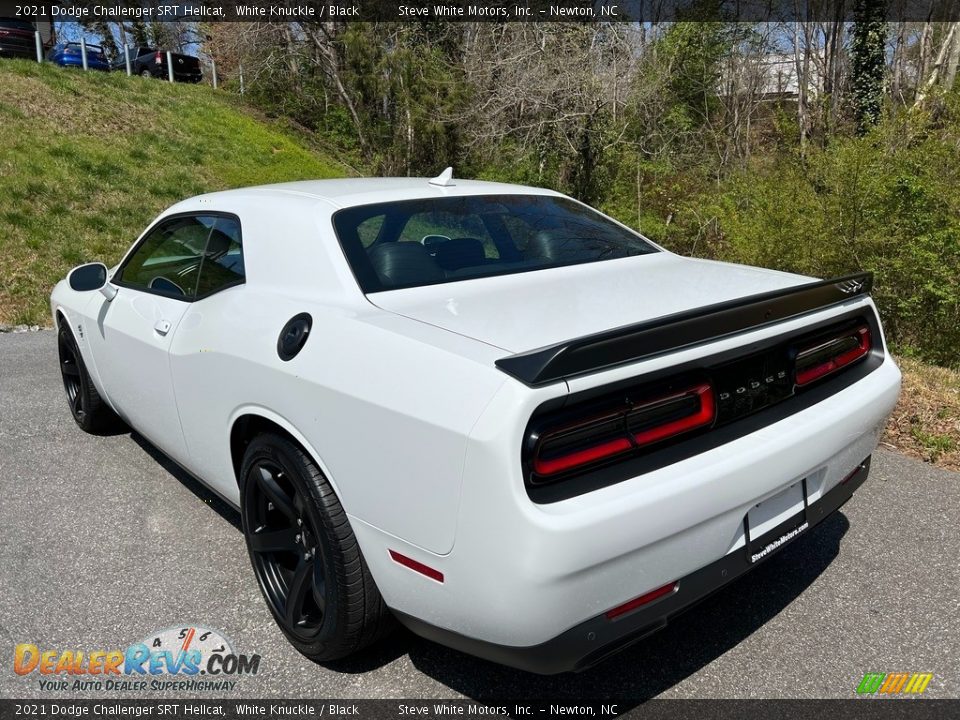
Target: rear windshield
424, 242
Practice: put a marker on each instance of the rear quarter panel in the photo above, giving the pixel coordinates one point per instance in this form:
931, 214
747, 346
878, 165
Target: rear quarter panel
384, 413
384, 404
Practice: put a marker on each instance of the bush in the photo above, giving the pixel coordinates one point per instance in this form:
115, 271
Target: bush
877, 203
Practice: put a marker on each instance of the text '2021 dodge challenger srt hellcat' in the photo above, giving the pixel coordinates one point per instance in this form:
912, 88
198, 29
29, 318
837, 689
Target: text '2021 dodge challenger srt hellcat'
485, 410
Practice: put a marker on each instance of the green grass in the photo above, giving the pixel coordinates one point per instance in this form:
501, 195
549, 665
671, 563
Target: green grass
926, 422
87, 160
935, 444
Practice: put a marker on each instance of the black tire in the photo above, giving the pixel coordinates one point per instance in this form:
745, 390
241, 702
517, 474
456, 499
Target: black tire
304, 554
145, 73
87, 407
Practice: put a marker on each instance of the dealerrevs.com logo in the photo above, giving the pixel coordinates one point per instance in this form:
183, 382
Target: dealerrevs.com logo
189, 658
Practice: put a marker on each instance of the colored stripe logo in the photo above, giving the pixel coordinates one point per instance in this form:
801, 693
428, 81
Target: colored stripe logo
897, 683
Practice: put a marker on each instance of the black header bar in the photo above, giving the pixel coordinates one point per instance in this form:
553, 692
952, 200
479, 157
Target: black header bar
879, 708
464, 11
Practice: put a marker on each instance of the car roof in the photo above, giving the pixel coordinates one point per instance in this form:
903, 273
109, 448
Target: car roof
349, 192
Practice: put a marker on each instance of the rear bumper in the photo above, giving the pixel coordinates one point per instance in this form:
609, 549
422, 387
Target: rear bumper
592, 641
187, 77
17, 49
161, 73
520, 573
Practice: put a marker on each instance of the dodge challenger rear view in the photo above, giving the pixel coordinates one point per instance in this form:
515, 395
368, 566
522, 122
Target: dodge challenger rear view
484, 410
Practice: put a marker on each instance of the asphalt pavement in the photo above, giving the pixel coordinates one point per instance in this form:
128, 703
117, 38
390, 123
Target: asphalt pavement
103, 541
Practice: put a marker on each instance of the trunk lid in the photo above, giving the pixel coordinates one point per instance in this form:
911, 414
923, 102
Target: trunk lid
530, 310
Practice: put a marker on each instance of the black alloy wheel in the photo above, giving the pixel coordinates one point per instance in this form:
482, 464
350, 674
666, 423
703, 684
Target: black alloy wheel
285, 550
304, 554
87, 407
70, 369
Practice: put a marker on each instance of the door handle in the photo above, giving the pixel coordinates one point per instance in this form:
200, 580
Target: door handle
162, 327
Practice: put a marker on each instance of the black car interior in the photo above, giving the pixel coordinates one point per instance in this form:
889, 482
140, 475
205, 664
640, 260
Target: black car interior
423, 242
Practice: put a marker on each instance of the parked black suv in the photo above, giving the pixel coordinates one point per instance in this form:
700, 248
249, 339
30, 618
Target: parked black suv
150, 62
17, 38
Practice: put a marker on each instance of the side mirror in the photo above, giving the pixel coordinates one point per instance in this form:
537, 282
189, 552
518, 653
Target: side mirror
91, 276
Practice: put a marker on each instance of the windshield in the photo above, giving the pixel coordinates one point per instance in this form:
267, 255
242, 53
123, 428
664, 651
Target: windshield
435, 240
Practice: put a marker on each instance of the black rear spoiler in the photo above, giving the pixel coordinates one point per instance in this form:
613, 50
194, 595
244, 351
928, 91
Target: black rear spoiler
630, 343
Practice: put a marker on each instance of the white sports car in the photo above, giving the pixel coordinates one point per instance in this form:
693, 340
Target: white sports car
486, 410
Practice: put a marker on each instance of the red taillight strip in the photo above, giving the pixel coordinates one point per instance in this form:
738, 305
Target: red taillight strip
417, 566
642, 600
808, 375
582, 457
629, 441
703, 416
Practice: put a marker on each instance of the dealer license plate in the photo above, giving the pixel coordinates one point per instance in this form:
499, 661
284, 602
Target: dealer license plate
772, 513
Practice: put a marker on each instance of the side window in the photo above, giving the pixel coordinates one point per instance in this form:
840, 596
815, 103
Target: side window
187, 257
168, 260
222, 263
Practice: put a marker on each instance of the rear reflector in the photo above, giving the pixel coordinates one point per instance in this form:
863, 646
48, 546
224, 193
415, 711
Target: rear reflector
827, 357
417, 566
642, 600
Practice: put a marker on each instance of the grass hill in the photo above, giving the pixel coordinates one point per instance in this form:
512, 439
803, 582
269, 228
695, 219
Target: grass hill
88, 159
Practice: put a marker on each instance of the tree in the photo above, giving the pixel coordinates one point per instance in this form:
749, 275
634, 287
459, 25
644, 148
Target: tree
868, 62
944, 69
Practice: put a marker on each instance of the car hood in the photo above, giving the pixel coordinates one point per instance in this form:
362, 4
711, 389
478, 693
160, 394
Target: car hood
529, 310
